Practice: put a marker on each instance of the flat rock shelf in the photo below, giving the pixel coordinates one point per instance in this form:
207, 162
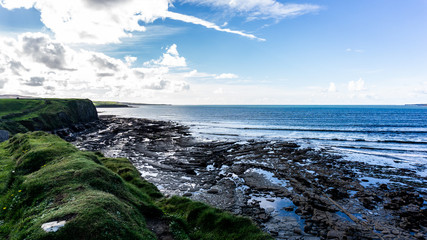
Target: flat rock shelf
289, 191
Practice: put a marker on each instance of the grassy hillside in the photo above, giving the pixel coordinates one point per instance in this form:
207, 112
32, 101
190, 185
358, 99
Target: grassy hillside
45, 179
22, 115
109, 104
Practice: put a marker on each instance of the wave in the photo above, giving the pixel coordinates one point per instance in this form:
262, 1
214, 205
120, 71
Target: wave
381, 149
220, 134
327, 130
368, 141
400, 156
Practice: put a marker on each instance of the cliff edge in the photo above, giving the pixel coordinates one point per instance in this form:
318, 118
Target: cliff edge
23, 115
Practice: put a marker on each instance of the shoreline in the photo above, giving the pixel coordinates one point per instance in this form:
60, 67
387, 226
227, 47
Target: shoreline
289, 191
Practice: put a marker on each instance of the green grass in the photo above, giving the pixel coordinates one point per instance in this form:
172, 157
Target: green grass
206, 222
51, 180
10, 106
44, 179
108, 103
22, 115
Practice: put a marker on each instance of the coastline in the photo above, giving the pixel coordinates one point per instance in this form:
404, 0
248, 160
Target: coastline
289, 191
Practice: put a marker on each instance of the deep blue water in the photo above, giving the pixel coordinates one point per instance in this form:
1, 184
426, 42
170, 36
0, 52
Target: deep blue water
388, 135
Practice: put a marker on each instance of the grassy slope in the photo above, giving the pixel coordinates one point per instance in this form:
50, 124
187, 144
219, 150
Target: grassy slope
44, 179
22, 115
101, 104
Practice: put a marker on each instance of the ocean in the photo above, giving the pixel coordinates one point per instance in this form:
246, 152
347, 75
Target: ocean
383, 135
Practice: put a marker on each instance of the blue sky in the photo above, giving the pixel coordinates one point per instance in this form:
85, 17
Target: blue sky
216, 52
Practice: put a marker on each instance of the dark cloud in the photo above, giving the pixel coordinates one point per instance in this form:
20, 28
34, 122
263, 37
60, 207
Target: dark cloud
139, 74
49, 88
16, 67
35, 81
105, 74
2, 82
104, 3
104, 63
42, 50
158, 86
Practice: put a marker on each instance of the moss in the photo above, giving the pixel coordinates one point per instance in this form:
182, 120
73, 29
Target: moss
45, 179
206, 222
54, 181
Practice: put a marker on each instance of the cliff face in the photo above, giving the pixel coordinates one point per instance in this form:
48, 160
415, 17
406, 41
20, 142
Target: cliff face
22, 115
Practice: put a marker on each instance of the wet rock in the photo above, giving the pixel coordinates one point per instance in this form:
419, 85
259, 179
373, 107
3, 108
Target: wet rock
297, 230
420, 236
213, 191
244, 178
333, 234
289, 208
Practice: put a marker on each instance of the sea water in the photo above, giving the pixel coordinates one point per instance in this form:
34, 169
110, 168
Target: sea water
384, 135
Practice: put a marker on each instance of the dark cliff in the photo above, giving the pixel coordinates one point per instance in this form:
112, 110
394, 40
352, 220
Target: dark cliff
23, 115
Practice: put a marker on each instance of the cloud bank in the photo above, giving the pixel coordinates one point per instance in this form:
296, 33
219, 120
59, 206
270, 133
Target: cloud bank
34, 64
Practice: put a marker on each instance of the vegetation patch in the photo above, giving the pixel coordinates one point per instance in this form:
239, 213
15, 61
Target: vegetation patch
109, 104
46, 181
205, 222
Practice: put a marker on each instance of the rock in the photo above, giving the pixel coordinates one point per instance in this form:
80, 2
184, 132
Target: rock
308, 227
297, 230
53, 226
213, 191
263, 217
420, 236
335, 234
270, 199
187, 194
288, 209
4, 135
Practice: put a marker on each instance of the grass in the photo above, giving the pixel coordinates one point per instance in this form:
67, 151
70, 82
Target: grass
51, 180
109, 104
207, 222
22, 115
44, 179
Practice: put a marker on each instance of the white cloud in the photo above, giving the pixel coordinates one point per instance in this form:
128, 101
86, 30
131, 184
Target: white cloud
260, 9
332, 87
104, 21
226, 76
218, 91
354, 50
356, 86
130, 60
34, 64
171, 58
198, 21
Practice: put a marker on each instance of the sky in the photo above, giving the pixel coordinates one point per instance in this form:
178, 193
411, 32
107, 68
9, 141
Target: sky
216, 51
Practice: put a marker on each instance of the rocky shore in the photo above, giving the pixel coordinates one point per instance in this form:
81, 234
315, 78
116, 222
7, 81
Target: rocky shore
290, 191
